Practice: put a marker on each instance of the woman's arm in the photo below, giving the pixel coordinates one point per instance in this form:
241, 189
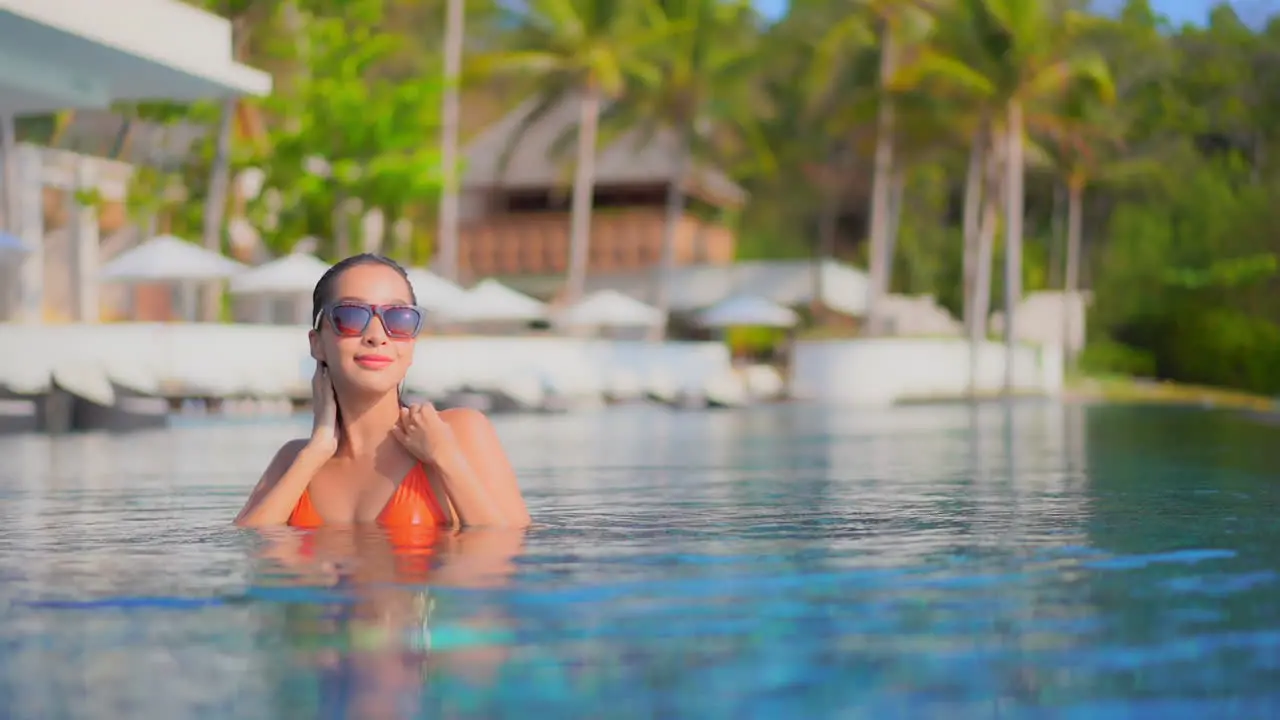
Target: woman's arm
282, 484
481, 469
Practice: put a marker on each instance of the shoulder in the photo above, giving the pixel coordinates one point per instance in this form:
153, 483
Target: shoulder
289, 451
467, 421
284, 457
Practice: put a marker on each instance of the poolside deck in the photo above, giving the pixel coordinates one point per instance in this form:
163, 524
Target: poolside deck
111, 365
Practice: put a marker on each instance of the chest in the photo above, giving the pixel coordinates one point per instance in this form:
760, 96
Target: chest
348, 491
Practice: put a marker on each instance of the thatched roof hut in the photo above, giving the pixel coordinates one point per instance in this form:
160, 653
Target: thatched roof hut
514, 154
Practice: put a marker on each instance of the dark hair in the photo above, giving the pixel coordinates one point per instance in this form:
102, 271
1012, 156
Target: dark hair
323, 294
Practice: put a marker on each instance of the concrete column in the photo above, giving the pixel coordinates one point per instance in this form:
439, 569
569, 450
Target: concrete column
9, 285
31, 223
8, 144
84, 247
189, 301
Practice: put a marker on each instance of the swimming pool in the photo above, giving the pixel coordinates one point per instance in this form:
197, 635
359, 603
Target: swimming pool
1028, 560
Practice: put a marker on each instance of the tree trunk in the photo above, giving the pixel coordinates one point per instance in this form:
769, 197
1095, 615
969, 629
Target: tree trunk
986, 249
295, 24
447, 252
1013, 208
584, 178
896, 190
824, 250
881, 186
973, 182
1071, 283
341, 227
1057, 237
670, 225
215, 205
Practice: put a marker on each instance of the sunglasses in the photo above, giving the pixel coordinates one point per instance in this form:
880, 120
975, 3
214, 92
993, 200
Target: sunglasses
351, 319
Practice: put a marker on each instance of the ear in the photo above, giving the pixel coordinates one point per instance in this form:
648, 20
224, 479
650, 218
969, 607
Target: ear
317, 350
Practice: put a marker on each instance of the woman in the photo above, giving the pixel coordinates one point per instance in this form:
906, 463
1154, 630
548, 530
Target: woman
369, 459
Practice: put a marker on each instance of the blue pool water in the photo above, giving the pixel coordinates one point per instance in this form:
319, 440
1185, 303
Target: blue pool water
1031, 560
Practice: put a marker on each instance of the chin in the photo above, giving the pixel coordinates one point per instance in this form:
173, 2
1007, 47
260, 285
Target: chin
374, 383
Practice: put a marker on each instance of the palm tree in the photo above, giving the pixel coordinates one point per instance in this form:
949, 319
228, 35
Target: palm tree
898, 25
825, 121
696, 87
1013, 59
581, 49
454, 26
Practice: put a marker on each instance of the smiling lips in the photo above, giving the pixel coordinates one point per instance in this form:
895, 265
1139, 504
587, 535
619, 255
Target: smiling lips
373, 362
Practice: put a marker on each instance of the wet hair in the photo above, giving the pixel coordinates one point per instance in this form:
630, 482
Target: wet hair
323, 294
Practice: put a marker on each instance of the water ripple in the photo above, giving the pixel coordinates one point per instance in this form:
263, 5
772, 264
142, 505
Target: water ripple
1030, 560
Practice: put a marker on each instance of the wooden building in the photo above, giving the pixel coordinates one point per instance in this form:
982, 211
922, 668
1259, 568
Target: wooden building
516, 192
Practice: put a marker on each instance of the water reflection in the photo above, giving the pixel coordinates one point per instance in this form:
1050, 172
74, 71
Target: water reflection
966, 560
372, 640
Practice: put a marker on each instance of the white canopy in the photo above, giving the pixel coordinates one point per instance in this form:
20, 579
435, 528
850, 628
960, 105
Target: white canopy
292, 274
434, 292
167, 259
747, 311
610, 308
491, 301
57, 54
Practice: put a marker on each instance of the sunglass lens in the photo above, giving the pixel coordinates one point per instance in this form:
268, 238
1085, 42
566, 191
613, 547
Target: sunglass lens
350, 319
402, 321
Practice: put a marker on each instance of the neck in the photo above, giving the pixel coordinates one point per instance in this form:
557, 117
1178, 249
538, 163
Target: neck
366, 422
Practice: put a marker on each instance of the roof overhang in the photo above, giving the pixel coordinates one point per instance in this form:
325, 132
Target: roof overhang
67, 54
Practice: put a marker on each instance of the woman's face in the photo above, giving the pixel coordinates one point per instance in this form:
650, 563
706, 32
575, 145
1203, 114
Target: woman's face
369, 361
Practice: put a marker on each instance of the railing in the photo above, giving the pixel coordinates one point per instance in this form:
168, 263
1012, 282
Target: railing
620, 240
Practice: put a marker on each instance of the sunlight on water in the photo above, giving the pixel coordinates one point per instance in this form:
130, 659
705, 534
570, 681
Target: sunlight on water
797, 561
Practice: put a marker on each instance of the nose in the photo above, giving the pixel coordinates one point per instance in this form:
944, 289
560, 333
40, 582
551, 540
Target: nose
375, 334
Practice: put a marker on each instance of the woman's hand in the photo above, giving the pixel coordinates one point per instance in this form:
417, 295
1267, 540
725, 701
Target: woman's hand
324, 405
425, 434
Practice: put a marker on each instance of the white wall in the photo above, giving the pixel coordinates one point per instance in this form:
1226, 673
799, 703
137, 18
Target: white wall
882, 371
229, 360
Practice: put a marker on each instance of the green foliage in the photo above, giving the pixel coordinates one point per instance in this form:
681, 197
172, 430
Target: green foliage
353, 132
1107, 357
1226, 348
1230, 273
346, 100
1189, 275
754, 341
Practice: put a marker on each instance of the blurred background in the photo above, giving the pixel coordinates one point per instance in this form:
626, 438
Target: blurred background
882, 167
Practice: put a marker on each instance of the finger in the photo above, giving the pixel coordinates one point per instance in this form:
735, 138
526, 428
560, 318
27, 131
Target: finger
400, 435
431, 415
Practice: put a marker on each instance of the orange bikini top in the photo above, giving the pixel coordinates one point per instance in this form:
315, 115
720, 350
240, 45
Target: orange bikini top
413, 503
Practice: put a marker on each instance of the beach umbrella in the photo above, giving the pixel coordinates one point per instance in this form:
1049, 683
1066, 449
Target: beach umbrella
491, 301
610, 309
292, 274
747, 311
167, 259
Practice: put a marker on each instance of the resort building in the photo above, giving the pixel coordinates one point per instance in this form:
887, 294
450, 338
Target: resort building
516, 192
